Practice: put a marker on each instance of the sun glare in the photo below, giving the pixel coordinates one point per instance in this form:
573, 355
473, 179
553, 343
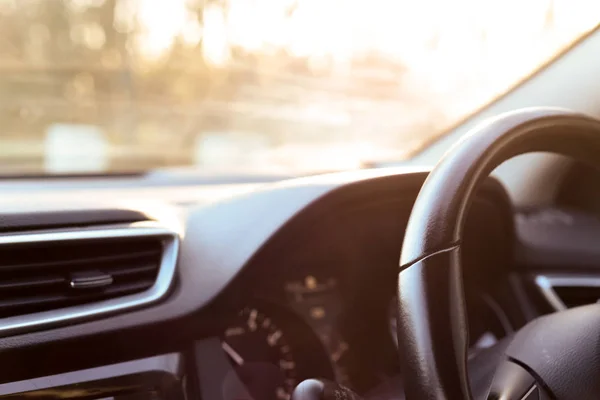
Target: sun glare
455, 54
161, 21
420, 34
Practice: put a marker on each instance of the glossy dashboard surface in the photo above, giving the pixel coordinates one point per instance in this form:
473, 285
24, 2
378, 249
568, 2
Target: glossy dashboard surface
297, 274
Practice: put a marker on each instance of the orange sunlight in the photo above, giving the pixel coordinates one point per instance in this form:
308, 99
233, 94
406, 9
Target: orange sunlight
495, 41
458, 54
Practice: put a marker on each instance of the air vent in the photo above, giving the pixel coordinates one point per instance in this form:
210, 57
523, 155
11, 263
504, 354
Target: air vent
564, 292
53, 276
44, 276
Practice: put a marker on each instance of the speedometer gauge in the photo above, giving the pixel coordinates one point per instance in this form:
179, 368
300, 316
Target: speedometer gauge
259, 350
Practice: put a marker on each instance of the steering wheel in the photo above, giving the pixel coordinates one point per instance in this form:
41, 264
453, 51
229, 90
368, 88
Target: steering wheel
555, 356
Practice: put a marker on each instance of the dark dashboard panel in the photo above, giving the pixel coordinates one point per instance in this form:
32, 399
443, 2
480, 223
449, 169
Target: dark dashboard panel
340, 233
579, 189
334, 265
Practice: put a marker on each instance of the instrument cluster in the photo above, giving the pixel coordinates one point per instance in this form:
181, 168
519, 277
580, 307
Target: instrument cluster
272, 347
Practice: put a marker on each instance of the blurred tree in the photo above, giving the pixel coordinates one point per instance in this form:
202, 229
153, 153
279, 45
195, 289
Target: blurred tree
81, 61
66, 58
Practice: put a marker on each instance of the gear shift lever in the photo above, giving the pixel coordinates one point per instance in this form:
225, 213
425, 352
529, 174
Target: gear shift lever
321, 389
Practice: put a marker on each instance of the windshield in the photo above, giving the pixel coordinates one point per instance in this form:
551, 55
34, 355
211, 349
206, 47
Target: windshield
300, 86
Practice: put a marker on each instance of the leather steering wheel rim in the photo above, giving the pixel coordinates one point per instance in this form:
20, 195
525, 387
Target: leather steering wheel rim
432, 323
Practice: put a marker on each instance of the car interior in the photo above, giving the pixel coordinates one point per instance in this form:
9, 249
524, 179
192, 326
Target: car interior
139, 286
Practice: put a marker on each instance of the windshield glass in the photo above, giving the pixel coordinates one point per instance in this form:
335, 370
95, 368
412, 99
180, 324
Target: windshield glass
294, 86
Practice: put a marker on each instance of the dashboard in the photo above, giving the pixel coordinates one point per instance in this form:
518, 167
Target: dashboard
325, 286
274, 284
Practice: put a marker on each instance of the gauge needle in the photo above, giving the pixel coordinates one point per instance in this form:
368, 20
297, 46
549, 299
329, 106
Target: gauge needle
232, 353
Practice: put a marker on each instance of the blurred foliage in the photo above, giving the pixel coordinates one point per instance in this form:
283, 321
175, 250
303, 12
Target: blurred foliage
80, 61
54, 51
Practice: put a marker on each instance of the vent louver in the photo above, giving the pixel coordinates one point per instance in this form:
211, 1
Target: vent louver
563, 292
54, 276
